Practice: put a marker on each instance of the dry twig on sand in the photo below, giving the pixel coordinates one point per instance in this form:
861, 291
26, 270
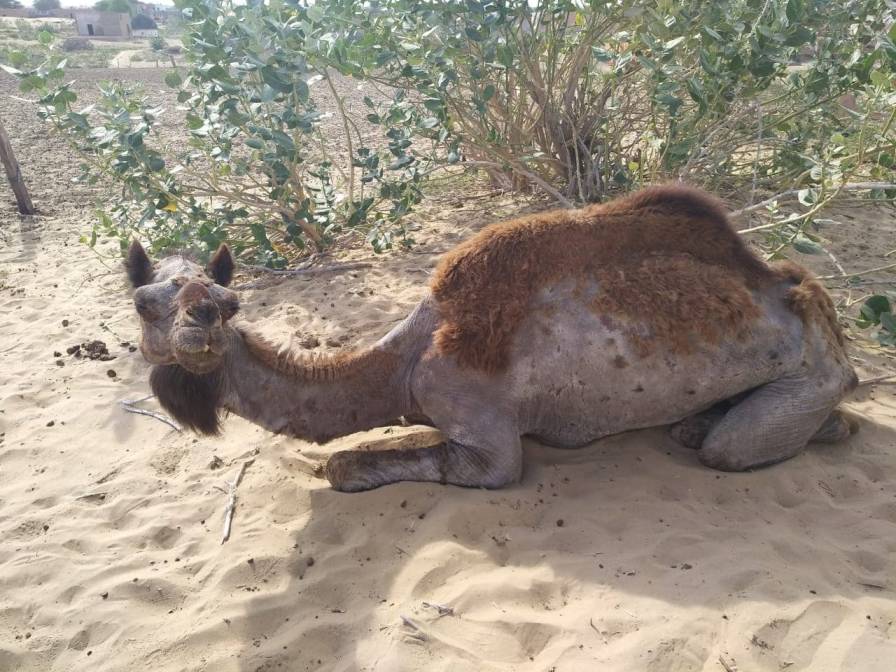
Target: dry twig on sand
886, 378
418, 632
231, 499
441, 608
729, 667
131, 407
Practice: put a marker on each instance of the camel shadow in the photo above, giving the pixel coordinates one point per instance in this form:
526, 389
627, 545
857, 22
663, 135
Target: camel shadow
591, 547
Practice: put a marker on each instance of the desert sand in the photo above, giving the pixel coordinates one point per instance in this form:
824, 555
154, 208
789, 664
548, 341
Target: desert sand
625, 555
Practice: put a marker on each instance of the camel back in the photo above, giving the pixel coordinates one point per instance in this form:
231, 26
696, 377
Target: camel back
665, 256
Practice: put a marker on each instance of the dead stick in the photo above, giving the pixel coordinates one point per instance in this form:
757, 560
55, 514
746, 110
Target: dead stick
23, 198
878, 379
857, 273
231, 500
418, 633
727, 667
857, 186
130, 407
441, 608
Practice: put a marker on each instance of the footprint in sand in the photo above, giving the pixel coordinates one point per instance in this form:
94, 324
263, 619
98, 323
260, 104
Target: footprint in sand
793, 643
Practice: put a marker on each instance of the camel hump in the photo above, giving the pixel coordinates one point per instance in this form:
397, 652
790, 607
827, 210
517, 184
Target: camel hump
484, 286
810, 300
681, 199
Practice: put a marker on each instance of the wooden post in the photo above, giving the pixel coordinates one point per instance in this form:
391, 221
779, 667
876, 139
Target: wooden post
14, 174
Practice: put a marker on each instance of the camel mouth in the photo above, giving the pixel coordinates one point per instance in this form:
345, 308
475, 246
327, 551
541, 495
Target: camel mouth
199, 362
199, 349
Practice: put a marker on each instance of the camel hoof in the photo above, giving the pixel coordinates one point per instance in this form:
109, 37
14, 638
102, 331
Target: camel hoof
342, 471
838, 427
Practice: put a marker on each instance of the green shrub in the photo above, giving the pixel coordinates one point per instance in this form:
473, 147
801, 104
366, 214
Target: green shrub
579, 99
573, 99
256, 170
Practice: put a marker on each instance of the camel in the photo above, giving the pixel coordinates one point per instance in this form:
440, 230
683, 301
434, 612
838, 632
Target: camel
567, 326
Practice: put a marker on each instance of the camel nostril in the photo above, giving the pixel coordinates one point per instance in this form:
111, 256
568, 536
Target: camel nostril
204, 313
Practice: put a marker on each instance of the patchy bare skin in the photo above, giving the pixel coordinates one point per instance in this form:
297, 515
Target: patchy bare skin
573, 376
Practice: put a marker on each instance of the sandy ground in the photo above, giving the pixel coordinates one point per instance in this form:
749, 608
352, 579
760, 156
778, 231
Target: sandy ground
626, 555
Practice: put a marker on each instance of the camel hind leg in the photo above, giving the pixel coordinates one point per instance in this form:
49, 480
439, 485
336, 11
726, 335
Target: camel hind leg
692, 431
776, 421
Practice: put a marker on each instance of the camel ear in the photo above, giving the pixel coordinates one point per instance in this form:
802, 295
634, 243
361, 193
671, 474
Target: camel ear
221, 266
138, 265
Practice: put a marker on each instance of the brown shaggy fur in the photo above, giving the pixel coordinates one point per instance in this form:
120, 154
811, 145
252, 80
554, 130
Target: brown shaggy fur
485, 285
683, 302
810, 300
192, 399
318, 369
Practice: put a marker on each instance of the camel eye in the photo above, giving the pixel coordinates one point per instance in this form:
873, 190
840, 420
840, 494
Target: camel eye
191, 312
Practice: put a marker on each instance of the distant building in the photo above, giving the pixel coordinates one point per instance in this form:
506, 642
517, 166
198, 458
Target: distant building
92, 23
17, 12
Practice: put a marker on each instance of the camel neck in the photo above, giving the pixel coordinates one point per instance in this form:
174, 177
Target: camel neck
313, 398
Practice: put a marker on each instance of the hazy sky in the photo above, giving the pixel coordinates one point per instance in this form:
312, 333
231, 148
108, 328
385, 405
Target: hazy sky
90, 3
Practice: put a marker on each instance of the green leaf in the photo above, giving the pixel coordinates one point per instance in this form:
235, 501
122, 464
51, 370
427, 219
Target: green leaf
807, 197
45, 37
804, 245
879, 78
874, 307
254, 143
671, 44
273, 78
173, 79
888, 322
302, 91
283, 140
401, 162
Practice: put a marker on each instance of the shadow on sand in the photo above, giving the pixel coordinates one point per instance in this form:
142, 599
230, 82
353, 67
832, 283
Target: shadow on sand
631, 533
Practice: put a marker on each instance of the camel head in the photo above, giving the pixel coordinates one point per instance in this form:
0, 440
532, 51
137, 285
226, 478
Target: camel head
183, 308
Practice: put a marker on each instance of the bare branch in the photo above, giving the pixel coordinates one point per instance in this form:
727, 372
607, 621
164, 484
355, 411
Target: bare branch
856, 186
130, 407
858, 273
231, 500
